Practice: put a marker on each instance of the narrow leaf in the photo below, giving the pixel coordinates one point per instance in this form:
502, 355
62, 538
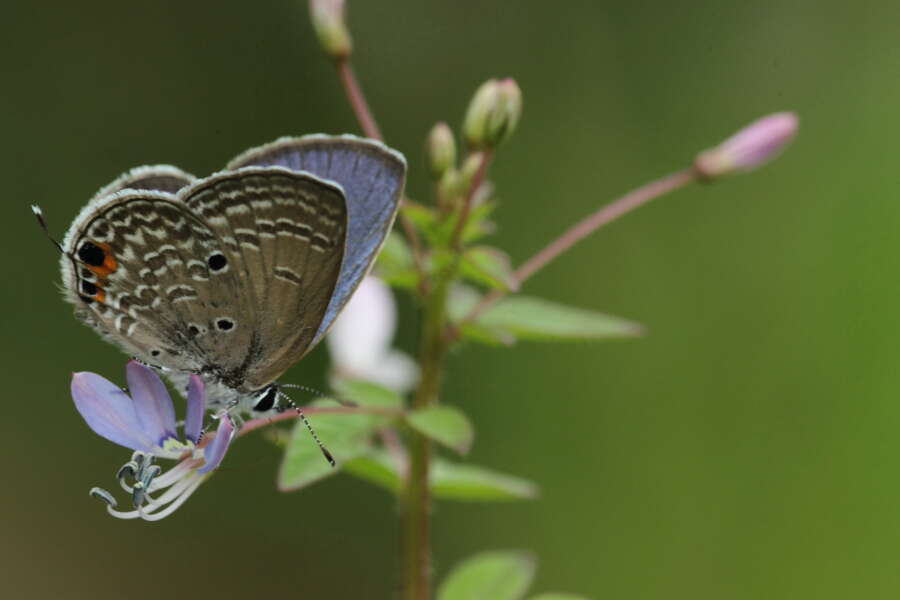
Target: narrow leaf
537, 319
471, 483
449, 480
375, 467
366, 393
444, 424
489, 576
558, 596
488, 266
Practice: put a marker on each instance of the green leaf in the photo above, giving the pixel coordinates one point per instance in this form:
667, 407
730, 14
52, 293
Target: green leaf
558, 596
492, 336
478, 225
488, 266
489, 576
375, 467
532, 318
346, 436
537, 319
444, 424
449, 480
421, 216
464, 482
366, 393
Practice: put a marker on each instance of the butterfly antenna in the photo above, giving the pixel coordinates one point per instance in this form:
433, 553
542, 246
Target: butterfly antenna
312, 432
40, 218
315, 392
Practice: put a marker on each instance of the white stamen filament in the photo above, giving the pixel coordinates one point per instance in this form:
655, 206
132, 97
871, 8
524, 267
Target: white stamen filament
173, 474
169, 495
196, 480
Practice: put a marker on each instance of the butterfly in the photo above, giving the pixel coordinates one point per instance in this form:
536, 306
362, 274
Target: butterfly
236, 276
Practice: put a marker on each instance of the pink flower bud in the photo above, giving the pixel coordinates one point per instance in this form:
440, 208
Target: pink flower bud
755, 144
328, 20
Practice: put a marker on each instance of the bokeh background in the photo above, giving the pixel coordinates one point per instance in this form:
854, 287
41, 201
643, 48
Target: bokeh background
746, 448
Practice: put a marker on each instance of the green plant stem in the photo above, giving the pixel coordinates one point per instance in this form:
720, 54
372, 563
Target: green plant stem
484, 159
417, 493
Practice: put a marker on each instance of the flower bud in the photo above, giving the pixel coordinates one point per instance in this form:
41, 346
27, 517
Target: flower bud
749, 148
440, 150
493, 113
328, 20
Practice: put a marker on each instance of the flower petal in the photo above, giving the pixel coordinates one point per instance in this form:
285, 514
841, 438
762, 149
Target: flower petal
215, 451
108, 411
196, 404
152, 402
363, 332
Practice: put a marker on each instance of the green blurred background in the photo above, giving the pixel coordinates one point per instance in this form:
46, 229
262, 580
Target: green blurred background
746, 448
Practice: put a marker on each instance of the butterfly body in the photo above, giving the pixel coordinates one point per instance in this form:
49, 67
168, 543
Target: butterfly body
236, 276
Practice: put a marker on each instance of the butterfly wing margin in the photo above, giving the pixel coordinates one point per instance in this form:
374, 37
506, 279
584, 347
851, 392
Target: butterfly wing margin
154, 178
372, 177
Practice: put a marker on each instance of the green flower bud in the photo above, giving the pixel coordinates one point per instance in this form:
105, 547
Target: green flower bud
328, 20
440, 149
493, 113
449, 190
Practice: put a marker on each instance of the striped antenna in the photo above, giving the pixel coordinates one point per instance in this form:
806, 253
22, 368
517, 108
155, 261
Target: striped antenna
312, 432
315, 392
40, 218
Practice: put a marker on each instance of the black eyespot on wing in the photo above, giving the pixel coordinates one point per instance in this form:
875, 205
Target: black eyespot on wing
193, 330
154, 353
85, 299
88, 288
217, 262
225, 324
92, 254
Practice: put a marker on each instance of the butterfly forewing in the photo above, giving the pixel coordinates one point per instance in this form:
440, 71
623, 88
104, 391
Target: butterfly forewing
372, 177
284, 235
230, 278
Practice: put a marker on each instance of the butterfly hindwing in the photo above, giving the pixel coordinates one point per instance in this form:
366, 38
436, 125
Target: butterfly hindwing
230, 277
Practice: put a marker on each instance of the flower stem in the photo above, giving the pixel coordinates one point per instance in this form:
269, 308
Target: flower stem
603, 216
417, 493
357, 100
369, 126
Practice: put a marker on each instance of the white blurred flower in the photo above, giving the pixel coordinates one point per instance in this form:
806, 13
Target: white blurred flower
360, 340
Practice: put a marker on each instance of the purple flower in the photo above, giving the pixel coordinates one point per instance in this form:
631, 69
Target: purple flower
144, 421
750, 147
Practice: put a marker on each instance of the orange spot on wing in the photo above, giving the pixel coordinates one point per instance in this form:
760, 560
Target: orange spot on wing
100, 295
109, 262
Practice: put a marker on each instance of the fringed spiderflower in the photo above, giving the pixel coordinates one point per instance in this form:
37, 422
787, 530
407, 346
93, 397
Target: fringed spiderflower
143, 419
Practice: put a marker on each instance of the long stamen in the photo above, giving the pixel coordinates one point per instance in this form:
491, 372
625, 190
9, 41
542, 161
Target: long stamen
174, 474
195, 480
153, 504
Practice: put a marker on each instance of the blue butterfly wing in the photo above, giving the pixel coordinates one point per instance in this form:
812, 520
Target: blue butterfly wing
372, 177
